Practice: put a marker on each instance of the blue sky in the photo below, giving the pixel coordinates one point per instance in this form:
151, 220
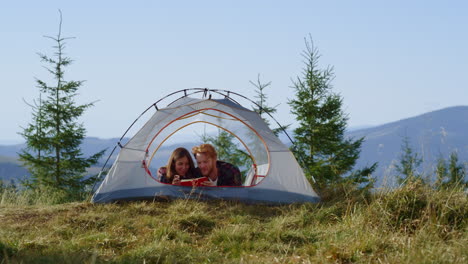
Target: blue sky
392, 59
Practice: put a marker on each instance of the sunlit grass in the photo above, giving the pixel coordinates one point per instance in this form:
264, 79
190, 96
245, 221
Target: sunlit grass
412, 224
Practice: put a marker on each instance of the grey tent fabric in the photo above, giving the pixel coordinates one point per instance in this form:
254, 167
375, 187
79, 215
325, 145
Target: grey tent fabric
275, 178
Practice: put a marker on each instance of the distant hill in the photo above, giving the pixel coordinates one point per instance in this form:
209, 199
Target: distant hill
11, 169
431, 135
90, 146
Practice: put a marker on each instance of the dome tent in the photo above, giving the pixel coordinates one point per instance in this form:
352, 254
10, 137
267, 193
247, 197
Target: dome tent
274, 177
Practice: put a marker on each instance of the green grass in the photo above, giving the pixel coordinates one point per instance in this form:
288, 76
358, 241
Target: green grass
413, 224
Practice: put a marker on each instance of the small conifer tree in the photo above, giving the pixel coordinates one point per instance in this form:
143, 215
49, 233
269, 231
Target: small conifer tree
456, 172
408, 165
53, 155
450, 173
262, 106
321, 146
441, 172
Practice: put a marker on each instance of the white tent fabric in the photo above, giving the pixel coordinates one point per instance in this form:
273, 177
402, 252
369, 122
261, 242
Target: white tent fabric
280, 178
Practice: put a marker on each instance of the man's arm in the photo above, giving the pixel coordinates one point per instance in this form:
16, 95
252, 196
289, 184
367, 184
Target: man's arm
237, 177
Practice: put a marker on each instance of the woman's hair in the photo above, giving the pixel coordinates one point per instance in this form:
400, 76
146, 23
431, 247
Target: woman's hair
178, 153
206, 149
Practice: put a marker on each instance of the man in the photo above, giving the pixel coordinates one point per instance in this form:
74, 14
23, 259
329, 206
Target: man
219, 173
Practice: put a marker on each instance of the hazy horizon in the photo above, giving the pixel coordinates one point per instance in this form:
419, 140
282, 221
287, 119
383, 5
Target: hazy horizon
189, 137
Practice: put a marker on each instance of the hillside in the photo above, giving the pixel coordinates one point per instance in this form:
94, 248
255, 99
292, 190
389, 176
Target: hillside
414, 224
432, 135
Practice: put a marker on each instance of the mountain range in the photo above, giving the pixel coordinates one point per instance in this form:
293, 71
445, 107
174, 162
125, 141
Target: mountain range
432, 135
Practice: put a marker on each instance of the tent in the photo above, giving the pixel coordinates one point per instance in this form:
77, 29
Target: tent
274, 176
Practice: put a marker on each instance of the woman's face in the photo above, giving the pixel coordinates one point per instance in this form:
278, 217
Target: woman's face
182, 166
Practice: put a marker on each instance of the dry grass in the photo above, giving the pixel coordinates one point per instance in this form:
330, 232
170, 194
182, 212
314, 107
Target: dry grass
414, 224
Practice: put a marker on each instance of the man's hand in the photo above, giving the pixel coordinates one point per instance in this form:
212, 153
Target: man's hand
208, 183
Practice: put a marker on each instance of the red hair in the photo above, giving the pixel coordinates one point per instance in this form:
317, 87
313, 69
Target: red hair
207, 149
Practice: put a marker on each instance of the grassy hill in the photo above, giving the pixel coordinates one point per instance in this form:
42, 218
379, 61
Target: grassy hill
413, 224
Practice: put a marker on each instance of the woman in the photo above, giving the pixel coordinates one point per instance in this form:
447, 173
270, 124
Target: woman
180, 166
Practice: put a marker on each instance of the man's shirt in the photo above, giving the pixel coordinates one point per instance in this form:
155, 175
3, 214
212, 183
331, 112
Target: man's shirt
228, 174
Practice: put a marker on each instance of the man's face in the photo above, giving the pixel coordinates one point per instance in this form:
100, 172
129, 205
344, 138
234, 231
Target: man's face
205, 163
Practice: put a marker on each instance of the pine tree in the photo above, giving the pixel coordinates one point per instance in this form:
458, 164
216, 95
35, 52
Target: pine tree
53, 155
321, 146
262, 107
441, 172
456, 172
450, 173
408, 164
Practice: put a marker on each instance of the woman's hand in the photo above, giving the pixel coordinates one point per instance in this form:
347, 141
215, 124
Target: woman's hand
176, 180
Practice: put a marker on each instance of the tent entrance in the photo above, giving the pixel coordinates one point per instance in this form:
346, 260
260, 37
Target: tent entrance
236, 142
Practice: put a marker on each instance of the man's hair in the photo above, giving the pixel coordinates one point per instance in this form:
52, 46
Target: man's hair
205, 149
